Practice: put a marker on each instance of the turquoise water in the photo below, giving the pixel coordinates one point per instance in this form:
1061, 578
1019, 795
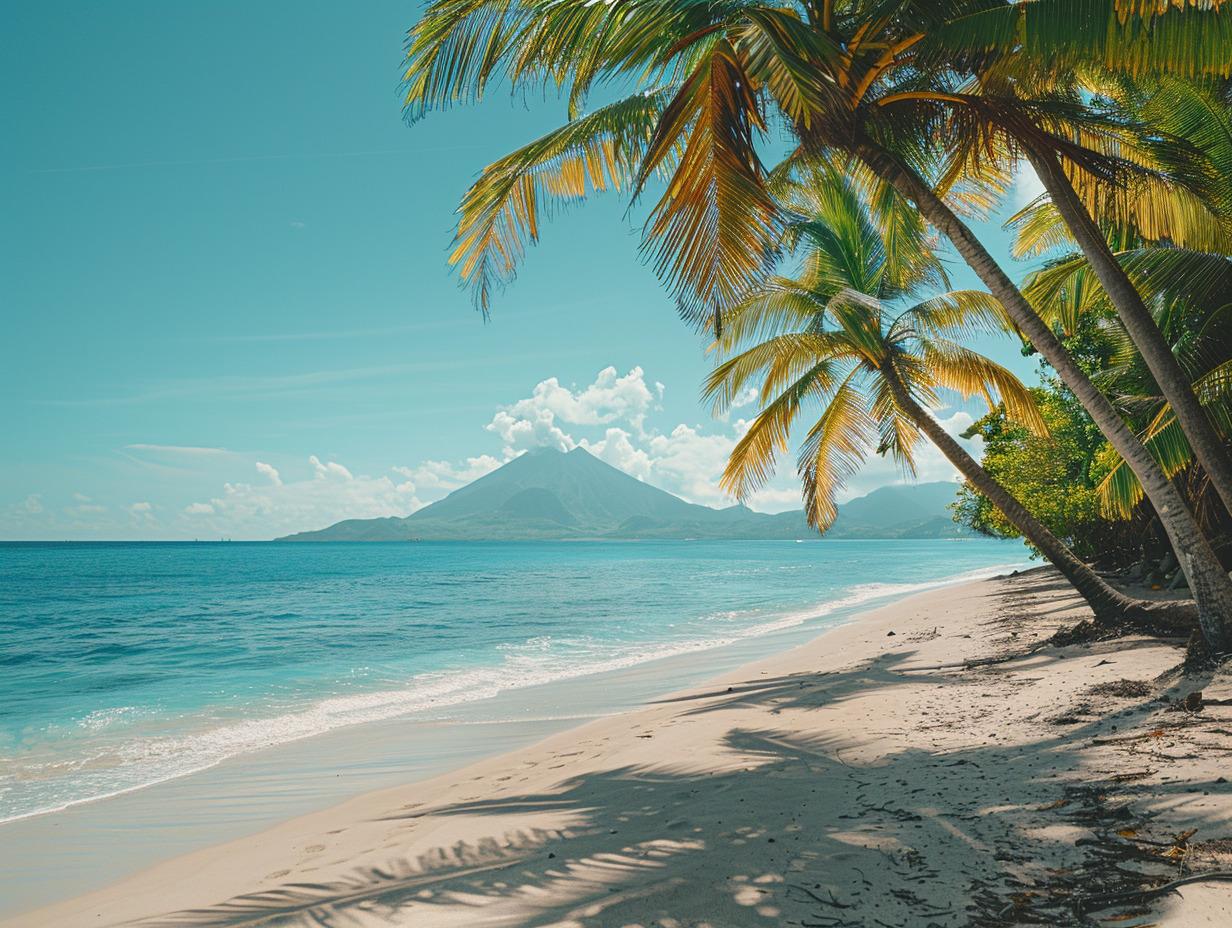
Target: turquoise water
126, 665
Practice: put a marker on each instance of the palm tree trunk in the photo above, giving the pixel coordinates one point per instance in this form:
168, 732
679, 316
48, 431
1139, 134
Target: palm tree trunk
1108, 605
1211, 587
1140, 326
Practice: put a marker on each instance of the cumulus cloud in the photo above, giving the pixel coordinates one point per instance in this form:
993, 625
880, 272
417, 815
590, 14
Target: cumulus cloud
32, 504
137, 508
441, 477
536, 421
531, 428
1027, 188
616, 448
610, 398
328, 493
328, 470
270, 472
746, 396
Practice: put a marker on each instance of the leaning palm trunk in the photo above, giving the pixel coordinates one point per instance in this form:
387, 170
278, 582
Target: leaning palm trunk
1211, 587
1110, 607
1140, 326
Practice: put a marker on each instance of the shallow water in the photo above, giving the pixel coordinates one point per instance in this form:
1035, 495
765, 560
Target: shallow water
131, 664
157, 698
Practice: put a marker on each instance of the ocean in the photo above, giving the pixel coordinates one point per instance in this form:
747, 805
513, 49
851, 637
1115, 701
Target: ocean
129, 664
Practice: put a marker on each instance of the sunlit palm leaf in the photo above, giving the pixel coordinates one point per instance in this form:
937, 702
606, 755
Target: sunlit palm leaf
779, 305
970, 373
752, 461
958, 314
711, 233
1120, 491
500, 213
833, 451
1066, 32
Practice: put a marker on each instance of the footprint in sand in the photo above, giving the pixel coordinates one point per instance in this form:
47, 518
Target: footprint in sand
313, 848
277, 874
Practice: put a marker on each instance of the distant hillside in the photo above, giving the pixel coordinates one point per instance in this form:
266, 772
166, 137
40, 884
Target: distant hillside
546, 495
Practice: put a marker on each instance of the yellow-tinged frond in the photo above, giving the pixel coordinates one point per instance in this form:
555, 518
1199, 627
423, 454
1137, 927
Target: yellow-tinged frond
1154, 207
1119, 492
712, 231
955, 314
970, 373
833, 451
898, 434
752, 461
783, 53
500, 214
777, 361
1039, 230
779, 305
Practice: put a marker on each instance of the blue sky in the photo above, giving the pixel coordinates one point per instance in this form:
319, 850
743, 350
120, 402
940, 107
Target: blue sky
226, 306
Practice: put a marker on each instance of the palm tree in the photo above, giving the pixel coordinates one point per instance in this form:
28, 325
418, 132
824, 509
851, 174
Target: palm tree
859, 82
830, 338
1188, 295
1200, 113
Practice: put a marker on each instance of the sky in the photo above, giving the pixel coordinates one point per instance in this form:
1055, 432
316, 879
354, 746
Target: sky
226, 306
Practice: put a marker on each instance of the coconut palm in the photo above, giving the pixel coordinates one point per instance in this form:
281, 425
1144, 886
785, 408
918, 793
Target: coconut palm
836, 338
1188, 293
864, 82
1198, 113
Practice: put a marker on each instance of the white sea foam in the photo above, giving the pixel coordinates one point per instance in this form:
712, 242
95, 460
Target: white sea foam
120, 765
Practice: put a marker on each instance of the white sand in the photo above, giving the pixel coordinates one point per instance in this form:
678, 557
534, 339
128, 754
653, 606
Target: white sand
864, 779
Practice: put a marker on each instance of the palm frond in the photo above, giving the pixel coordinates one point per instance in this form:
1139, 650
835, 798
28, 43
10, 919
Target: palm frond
752, 461
898, 434
833, 451
500, 213
778, 305
777, 361
970, 373
1038, 230
1186, 41
711, 233
956, 314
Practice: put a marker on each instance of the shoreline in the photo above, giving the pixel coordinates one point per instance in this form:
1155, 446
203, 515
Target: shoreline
822, 760
74, 850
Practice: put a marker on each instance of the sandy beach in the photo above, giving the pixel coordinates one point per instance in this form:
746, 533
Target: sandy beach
934, 763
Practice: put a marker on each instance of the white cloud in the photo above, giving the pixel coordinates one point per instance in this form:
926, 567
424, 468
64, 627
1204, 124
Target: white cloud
326, 471
328, 493
137, 508
270, 472
610, 398
432, 477
32, 504
616, 448
689, 464
81, 497
532, 428
745, 397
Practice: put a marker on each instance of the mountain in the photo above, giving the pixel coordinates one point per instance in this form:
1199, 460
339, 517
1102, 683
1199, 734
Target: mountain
916, 511
546, 495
